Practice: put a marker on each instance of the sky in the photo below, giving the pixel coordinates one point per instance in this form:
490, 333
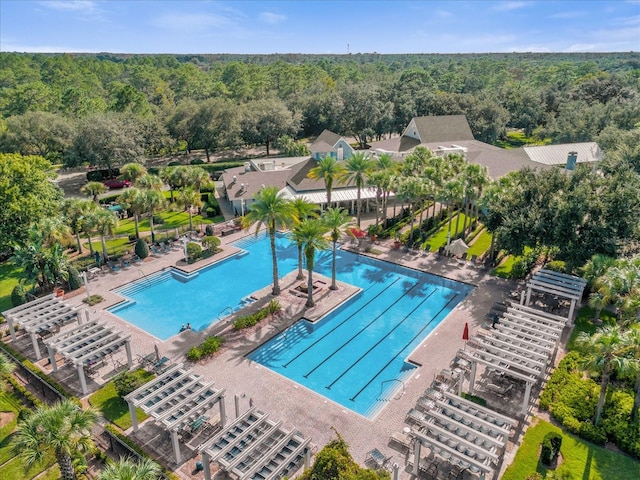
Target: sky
324, 27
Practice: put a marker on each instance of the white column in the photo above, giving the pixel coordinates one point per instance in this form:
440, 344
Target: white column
134, 417
52, 358
127, 348
472, 377
416, 456
176, 446
525, 401
12, 329
528, 296
83, 381
36, 347
236, 400
223, 413
206, 463
307, 458
571, 309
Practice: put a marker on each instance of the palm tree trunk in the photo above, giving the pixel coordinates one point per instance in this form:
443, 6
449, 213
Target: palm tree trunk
190, 220
90, 245
358, 208
153, 233
274, 260
310, 302
65, 463
78, 243
603, 393
457, 224
135, 222
105, 254
300, 274
333, 267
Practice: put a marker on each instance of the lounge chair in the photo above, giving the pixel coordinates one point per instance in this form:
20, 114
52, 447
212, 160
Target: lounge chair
135, 258
401, 440
377, 458
112, 266
155, 251
125, 263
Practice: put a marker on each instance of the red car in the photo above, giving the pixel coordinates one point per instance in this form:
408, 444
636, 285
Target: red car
116, 183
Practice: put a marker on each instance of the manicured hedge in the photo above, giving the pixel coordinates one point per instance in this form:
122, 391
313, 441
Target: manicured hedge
248, 321
210, 346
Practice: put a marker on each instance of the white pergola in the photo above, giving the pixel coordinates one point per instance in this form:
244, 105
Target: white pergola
558, 284
175, 399
41, 316
87, 344
520, 346
454, 427
255, 447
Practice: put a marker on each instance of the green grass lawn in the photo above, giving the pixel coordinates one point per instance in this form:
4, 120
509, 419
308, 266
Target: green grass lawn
504, 269
9, 276
581, 460
113, 407
169, 220
439, 239
480, 244
584, 323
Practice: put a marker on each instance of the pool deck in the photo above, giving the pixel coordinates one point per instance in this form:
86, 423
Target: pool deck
299, 408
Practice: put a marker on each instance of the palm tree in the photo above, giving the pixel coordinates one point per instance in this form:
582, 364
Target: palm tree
105, 224
153, 201
42, 265
272, 210
336, 220
358, 167
74, 211
632, 344
53, 230
197, 177
190, 198
310, 234
604, 352
88, 222
126, 469
150, 182
6, 367
302, 209
132, 172
62, 429
330, 170
134, 200
93, 189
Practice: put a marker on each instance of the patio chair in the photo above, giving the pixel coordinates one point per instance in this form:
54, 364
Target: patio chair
124, 263
377, 459
155, 251
401, 440
112, 266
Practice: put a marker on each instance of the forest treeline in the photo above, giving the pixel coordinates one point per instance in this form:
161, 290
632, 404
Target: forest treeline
109, 109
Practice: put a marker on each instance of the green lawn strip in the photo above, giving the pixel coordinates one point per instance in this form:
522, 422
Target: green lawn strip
8, 403
113, 407
581, 460
169, 220
9, 276
504, 269
15, 468
439, 239
115, 246
53, 473
480, 244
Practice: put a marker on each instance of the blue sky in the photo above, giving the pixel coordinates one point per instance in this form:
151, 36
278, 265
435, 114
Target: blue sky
306, 26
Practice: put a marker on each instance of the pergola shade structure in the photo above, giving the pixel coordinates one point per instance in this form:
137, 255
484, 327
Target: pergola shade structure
40, 317
86, 345
520, 346
255, 447
559, 284
176, 399
461, 432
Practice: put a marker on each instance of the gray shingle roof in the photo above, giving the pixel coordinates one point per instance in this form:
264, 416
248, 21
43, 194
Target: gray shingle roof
328, 137
443, 128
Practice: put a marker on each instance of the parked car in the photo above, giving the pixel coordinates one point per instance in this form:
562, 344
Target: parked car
116, 183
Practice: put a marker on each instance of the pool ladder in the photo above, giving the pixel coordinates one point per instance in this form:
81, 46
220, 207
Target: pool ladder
224, 310
388, 381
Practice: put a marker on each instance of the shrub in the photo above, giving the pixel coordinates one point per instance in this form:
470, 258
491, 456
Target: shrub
132, 237
125, 383
141, 249
93, 300
248, 321
174, 163
74, 279
210, 346
18, 295
197, 161
557, 266
158, 220
193, 251
209, 230
550, 447
211, 242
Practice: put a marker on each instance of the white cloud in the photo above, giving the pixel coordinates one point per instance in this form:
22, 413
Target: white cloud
506, 6
443, 13
70, 5
582, 47
569, 14
16, 47
272, 18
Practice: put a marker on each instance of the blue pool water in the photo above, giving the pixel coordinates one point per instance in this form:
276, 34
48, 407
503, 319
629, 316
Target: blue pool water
354, 356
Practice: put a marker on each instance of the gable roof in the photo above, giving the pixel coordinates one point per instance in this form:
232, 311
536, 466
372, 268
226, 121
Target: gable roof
588, 152
320, 146
328, 137
441, 128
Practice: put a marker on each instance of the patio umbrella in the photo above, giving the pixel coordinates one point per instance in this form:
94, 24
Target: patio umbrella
465, 334
457, 247
155, 347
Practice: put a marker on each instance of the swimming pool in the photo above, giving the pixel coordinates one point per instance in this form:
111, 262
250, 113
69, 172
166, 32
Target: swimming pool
354, 356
